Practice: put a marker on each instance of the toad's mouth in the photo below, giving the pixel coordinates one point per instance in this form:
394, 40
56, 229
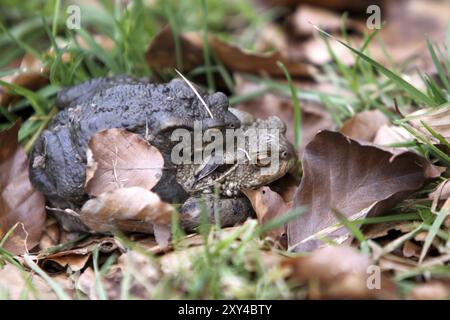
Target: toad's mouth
213, 176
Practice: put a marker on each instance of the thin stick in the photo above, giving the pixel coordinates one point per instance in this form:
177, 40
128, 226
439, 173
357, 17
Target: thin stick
196, 93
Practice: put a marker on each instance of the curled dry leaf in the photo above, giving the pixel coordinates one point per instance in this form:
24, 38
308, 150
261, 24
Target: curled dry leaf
388, 135
31, 75
306, 17
118, 158
76, 258
364, 126
14, 284
268, 205
436, 119
140, 287
442, 191
434, 290
410, 249
131, 209
161, 55
340, 272
20, 204
357, 180
51, 235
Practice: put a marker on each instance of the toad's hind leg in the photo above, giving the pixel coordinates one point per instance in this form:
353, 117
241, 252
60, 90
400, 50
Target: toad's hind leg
57, 169
231, 211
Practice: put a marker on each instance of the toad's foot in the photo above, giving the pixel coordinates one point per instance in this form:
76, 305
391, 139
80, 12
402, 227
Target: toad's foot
230, 210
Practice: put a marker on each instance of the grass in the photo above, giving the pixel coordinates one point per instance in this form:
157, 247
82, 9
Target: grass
235, 257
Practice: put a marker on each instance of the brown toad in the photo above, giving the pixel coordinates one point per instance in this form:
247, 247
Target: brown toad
263, 156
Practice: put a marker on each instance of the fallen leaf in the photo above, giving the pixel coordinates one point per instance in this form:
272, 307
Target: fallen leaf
15, 282
272, 37
410, 249
365, 125
339, 272
144, 275
20, 204
31, 75
315, 50
161, 55
442, 191
434, 290
313, 115
131, 209
51, 234
357, 180
356, 6
286, 187
268, 205
406, 23
75, 258
118, 158
379, 230
306, 17
391, 262
388, 135
436, 119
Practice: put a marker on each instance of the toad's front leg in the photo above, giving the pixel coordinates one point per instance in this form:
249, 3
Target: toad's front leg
231, 211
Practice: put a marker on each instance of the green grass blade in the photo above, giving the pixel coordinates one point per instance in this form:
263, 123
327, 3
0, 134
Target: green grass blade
432, 232
296, 103
438, 65
406, 86
354, 230
54, 285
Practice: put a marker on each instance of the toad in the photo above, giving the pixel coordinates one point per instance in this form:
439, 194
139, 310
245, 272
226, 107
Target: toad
215, 184
58, 159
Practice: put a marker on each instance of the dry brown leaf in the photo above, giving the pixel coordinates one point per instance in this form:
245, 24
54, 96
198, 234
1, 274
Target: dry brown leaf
306, 17
161, 55
379, 230
355, 6
118, 158
389, 135
313, 117
145, 276
402, 35
436, 119
268, 205
364, 126
272, 37
410, 249
357, 180
13, 282
390, 262
31, 75
131, 209
338, 272
286, 187
315, 50
442, 191
76, 258
434, 290
20, 203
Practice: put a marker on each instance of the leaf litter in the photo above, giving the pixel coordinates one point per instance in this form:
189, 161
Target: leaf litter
356, 172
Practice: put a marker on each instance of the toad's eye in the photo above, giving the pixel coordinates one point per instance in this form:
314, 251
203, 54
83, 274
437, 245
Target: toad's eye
284, 154
232, 126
